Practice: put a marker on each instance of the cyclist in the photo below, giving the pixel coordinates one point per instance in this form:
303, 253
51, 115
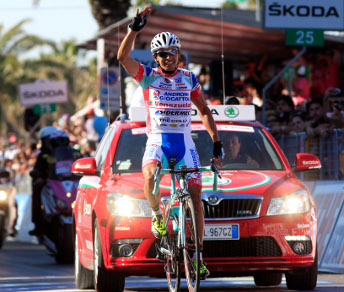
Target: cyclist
168, 92
138, 100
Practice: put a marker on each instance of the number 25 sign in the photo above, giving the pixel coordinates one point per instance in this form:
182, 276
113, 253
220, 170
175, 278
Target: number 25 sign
304, 37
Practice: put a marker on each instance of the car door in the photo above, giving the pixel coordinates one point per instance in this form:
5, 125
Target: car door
88, 188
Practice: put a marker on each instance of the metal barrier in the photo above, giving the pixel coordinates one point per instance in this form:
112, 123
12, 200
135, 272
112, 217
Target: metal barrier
329, 150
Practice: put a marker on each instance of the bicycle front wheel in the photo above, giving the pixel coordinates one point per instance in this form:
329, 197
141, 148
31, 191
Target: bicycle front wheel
191, 246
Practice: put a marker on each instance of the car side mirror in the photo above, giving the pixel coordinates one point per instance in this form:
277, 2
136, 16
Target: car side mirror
306, 161
85, 166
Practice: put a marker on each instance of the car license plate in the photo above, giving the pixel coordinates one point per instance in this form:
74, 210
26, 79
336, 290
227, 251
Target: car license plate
221, 232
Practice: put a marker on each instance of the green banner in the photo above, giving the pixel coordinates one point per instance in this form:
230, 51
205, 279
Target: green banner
39, 109
304, 37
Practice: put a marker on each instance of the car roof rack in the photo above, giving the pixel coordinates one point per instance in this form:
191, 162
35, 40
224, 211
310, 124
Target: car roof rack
221, 113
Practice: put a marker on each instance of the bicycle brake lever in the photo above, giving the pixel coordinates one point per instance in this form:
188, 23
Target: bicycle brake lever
214, 168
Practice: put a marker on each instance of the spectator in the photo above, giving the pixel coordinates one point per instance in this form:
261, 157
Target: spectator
92, 135
204, 79
89, 149
285, 107
232, 100
183, 63
333, 109
254, 72
302, 90
247, 94
318, 124
272, 122
298, 123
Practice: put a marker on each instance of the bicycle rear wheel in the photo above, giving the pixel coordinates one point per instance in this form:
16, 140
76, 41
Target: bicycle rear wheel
172, 261
191, 246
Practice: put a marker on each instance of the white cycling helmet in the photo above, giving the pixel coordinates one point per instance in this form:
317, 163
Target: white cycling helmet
46, 132
164, 40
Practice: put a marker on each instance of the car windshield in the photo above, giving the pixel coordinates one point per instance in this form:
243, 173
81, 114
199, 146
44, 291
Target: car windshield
246, 148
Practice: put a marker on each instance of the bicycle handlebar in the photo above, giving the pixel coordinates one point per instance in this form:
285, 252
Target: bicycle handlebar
184, 170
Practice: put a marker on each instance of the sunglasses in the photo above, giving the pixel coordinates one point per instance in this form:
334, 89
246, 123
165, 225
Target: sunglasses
164, 54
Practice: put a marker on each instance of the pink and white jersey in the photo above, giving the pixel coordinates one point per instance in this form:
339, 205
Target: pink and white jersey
168, 99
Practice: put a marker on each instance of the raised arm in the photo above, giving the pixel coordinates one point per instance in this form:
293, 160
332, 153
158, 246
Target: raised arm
139, 21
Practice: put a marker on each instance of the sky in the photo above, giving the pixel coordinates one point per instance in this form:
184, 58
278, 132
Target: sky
62, 19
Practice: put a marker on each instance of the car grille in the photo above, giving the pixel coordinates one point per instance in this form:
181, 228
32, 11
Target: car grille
232, 208
260, 246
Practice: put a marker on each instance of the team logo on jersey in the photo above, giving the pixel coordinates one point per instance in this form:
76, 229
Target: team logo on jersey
167, 80
150, 101
156, 94
178, 80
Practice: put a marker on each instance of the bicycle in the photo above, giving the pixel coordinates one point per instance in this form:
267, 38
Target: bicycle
181, 243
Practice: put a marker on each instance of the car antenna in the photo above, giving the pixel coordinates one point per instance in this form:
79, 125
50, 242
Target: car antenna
223, 61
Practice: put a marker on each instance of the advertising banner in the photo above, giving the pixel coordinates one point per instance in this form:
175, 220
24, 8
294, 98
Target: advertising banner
312, 14
43, 91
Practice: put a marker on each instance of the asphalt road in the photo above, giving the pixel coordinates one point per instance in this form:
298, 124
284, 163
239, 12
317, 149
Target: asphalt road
28, 267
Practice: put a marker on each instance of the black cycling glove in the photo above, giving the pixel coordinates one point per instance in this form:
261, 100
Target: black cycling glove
218, 150
138, 22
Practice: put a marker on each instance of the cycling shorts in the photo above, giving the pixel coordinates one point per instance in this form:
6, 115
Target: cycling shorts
163, 147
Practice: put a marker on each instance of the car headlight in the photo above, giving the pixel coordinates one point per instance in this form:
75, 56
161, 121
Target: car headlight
3, 195
294, 203
121, 205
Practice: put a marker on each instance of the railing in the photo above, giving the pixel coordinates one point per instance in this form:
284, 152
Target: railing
329, 150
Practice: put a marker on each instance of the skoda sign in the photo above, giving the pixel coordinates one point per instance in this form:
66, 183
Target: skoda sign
43, 91
306, 14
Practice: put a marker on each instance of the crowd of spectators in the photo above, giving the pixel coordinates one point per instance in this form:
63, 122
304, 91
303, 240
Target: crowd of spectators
305, 99
19, 155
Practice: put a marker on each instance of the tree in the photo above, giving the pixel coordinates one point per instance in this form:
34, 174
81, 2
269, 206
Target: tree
14, 43
108, 12
61, 63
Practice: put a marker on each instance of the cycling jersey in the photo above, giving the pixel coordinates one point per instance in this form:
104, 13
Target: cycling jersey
168, 99
168, 103
162, 147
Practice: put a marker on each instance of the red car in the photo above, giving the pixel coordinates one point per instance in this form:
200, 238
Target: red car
260, 222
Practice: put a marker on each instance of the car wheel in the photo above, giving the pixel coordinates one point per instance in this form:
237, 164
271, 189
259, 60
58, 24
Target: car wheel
104, 280
83, 277
267, 278
304, 279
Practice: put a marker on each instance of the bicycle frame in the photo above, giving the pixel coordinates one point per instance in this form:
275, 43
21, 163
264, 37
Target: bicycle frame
181, 191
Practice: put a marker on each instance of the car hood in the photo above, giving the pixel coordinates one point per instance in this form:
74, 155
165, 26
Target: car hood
241, 181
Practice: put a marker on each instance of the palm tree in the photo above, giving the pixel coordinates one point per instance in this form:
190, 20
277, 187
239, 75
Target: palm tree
62, 64
14, 43
59, 64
